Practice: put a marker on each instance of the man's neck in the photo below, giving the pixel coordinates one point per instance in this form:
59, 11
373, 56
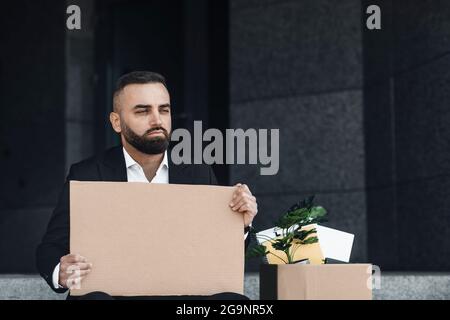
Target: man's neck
148, 162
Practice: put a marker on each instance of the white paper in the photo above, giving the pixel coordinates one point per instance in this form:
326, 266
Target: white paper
335, 244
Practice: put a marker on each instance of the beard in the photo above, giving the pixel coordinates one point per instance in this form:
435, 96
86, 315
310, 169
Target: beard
145, 144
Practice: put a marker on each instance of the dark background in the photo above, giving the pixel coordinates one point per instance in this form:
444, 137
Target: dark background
363, 114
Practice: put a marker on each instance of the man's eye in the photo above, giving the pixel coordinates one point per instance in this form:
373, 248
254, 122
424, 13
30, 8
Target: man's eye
164, 110
142, 111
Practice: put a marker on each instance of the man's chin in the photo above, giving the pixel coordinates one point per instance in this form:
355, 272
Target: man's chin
156, 139
157, 146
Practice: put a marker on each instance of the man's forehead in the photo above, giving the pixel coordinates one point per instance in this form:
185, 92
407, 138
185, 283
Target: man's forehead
148, 93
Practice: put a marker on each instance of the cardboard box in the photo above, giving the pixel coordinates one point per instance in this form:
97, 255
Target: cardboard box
157, 239
316, 282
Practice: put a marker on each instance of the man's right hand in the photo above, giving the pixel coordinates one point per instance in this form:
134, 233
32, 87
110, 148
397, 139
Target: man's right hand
73, 268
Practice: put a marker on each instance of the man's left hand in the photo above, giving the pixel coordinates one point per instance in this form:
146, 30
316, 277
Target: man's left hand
243, 201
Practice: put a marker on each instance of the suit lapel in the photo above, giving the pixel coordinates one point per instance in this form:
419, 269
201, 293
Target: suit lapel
177, 172
112, 167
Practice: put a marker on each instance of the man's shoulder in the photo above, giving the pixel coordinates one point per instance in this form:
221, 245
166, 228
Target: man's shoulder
88, 169
90, 165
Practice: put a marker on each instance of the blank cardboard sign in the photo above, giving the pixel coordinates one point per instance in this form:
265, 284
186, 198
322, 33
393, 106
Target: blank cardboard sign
157, 239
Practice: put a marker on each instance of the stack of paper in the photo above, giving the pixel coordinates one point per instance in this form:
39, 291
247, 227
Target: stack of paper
332, 244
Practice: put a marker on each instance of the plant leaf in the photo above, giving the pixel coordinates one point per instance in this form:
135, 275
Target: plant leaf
303, 234
310, 240
256, 251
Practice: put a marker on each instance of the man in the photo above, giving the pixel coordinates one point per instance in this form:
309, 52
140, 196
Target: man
142, 117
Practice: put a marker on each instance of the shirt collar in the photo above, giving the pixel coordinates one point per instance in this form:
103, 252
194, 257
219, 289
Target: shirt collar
129, 161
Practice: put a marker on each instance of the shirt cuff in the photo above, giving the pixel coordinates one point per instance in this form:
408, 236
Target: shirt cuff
55, 278
246, 234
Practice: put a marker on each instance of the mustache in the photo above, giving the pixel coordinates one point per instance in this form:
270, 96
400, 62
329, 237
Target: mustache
156, 129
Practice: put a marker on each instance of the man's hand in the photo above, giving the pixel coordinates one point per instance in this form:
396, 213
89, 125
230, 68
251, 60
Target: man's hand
243, 201
73, 268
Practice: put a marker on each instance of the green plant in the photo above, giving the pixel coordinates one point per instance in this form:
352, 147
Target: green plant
290, 224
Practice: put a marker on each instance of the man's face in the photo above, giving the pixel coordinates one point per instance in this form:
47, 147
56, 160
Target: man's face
143, 117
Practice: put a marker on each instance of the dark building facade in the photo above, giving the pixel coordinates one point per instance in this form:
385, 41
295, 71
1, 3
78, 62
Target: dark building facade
362, 113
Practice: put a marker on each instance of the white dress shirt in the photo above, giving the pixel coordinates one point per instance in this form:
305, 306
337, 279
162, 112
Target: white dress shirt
135, 173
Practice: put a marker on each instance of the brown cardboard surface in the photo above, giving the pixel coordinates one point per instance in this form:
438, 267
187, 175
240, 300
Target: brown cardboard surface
324, 282
157, 239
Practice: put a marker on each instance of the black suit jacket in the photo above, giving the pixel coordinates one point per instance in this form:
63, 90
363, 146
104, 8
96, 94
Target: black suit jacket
108, 166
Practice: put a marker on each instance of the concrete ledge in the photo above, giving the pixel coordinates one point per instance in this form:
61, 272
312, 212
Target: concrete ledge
394, 286
26, 287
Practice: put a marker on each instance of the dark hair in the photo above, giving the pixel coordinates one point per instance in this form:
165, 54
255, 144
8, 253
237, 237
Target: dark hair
138, 77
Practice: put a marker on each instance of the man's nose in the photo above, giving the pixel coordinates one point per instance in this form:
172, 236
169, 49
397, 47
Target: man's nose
155, 120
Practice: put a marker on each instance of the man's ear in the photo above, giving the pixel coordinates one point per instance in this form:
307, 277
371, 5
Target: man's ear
114, 118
